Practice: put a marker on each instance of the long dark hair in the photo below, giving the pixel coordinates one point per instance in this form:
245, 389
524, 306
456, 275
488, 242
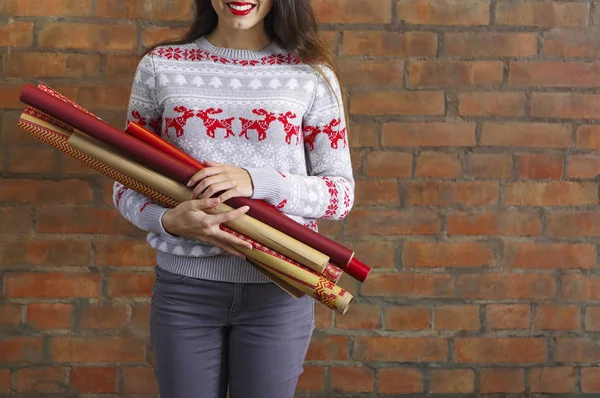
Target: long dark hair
291, 23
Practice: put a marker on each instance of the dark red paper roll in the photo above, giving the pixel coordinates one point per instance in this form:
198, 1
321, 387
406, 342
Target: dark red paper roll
182, 172
339, 255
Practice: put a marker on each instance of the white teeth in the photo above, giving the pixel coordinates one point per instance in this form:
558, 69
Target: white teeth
240, 8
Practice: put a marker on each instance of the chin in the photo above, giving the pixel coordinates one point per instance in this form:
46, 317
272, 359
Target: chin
242, 14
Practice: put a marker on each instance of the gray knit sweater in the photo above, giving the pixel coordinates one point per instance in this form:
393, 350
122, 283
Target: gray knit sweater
264, 111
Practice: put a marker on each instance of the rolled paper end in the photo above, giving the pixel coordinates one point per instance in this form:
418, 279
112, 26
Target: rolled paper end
358, 270
343, 303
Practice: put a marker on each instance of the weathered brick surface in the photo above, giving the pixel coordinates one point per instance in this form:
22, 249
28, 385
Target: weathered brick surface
474, 129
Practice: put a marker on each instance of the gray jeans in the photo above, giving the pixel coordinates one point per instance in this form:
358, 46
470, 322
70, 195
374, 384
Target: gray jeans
208, 336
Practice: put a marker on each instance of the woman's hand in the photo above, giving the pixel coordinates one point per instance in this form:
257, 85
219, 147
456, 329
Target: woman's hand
232, 181
189, 220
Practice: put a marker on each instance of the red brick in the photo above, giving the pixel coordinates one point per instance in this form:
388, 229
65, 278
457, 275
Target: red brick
130, 285
452, 381
550, 255
352, 379
565, 105
389, 164
502, 381
328, 348
457, 317
174, 10
552, 380
490, 44
94, 380
139, 381
377, 192
409, 285
371, 12
379, 253
541, 165
547, 14
592, 318
16, 34
10, 315
363, 135
438, 164
104, 317
386, 102
31, 160
500, 350
508, 316
444, 12
360, 316
588, 136
97, 349
556, 193
580, 287
51, 285
491, 104
536, 135
77, 220
400, 381
21, 349
51, 65
154, 35
436, 193
489, 165
399, 349
583, 166
507, 286
455, 73
573, 224
570, 350
407, 318
331, 38
62, 8
554, 74
447, 254
121, 67
49, 315
390, 44
46, 253
590, 380
124, 253
428, 134
88, 36
571, 43
495, 223
46, 192
550, 317
396, 222
41, 380
140, 319
312, 379
4, 381
371, 72
9, 96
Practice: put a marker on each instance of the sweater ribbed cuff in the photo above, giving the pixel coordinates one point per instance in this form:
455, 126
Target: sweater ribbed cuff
267, 184
151, 218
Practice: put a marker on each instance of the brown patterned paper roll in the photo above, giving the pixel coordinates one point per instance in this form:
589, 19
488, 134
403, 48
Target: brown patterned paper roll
57, 137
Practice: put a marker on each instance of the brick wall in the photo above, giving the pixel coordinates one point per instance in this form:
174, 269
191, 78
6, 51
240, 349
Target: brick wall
475, 142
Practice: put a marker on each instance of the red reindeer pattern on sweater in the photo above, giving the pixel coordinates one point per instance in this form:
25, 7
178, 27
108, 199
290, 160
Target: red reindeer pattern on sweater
261, 126
213, 124
179, 122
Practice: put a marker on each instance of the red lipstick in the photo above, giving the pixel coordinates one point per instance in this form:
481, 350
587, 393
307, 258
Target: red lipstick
241, 9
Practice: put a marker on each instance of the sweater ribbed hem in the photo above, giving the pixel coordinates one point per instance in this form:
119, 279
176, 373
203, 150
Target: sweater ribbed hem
233, 53
266, 183
223, 268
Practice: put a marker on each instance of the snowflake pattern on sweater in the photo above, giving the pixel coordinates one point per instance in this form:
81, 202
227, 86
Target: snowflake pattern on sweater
264, 111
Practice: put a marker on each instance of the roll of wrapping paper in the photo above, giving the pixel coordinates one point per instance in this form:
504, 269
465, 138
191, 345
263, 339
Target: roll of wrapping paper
244, 224
155, 159
43, 128
304, 280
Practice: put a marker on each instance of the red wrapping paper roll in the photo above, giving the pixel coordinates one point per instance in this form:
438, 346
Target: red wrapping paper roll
339, 255
182, 172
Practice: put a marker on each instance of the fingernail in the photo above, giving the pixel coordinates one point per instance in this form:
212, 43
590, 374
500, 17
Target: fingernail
215, 202
189, 184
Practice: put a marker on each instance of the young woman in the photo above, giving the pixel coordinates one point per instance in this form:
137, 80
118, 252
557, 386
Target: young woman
251, 91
